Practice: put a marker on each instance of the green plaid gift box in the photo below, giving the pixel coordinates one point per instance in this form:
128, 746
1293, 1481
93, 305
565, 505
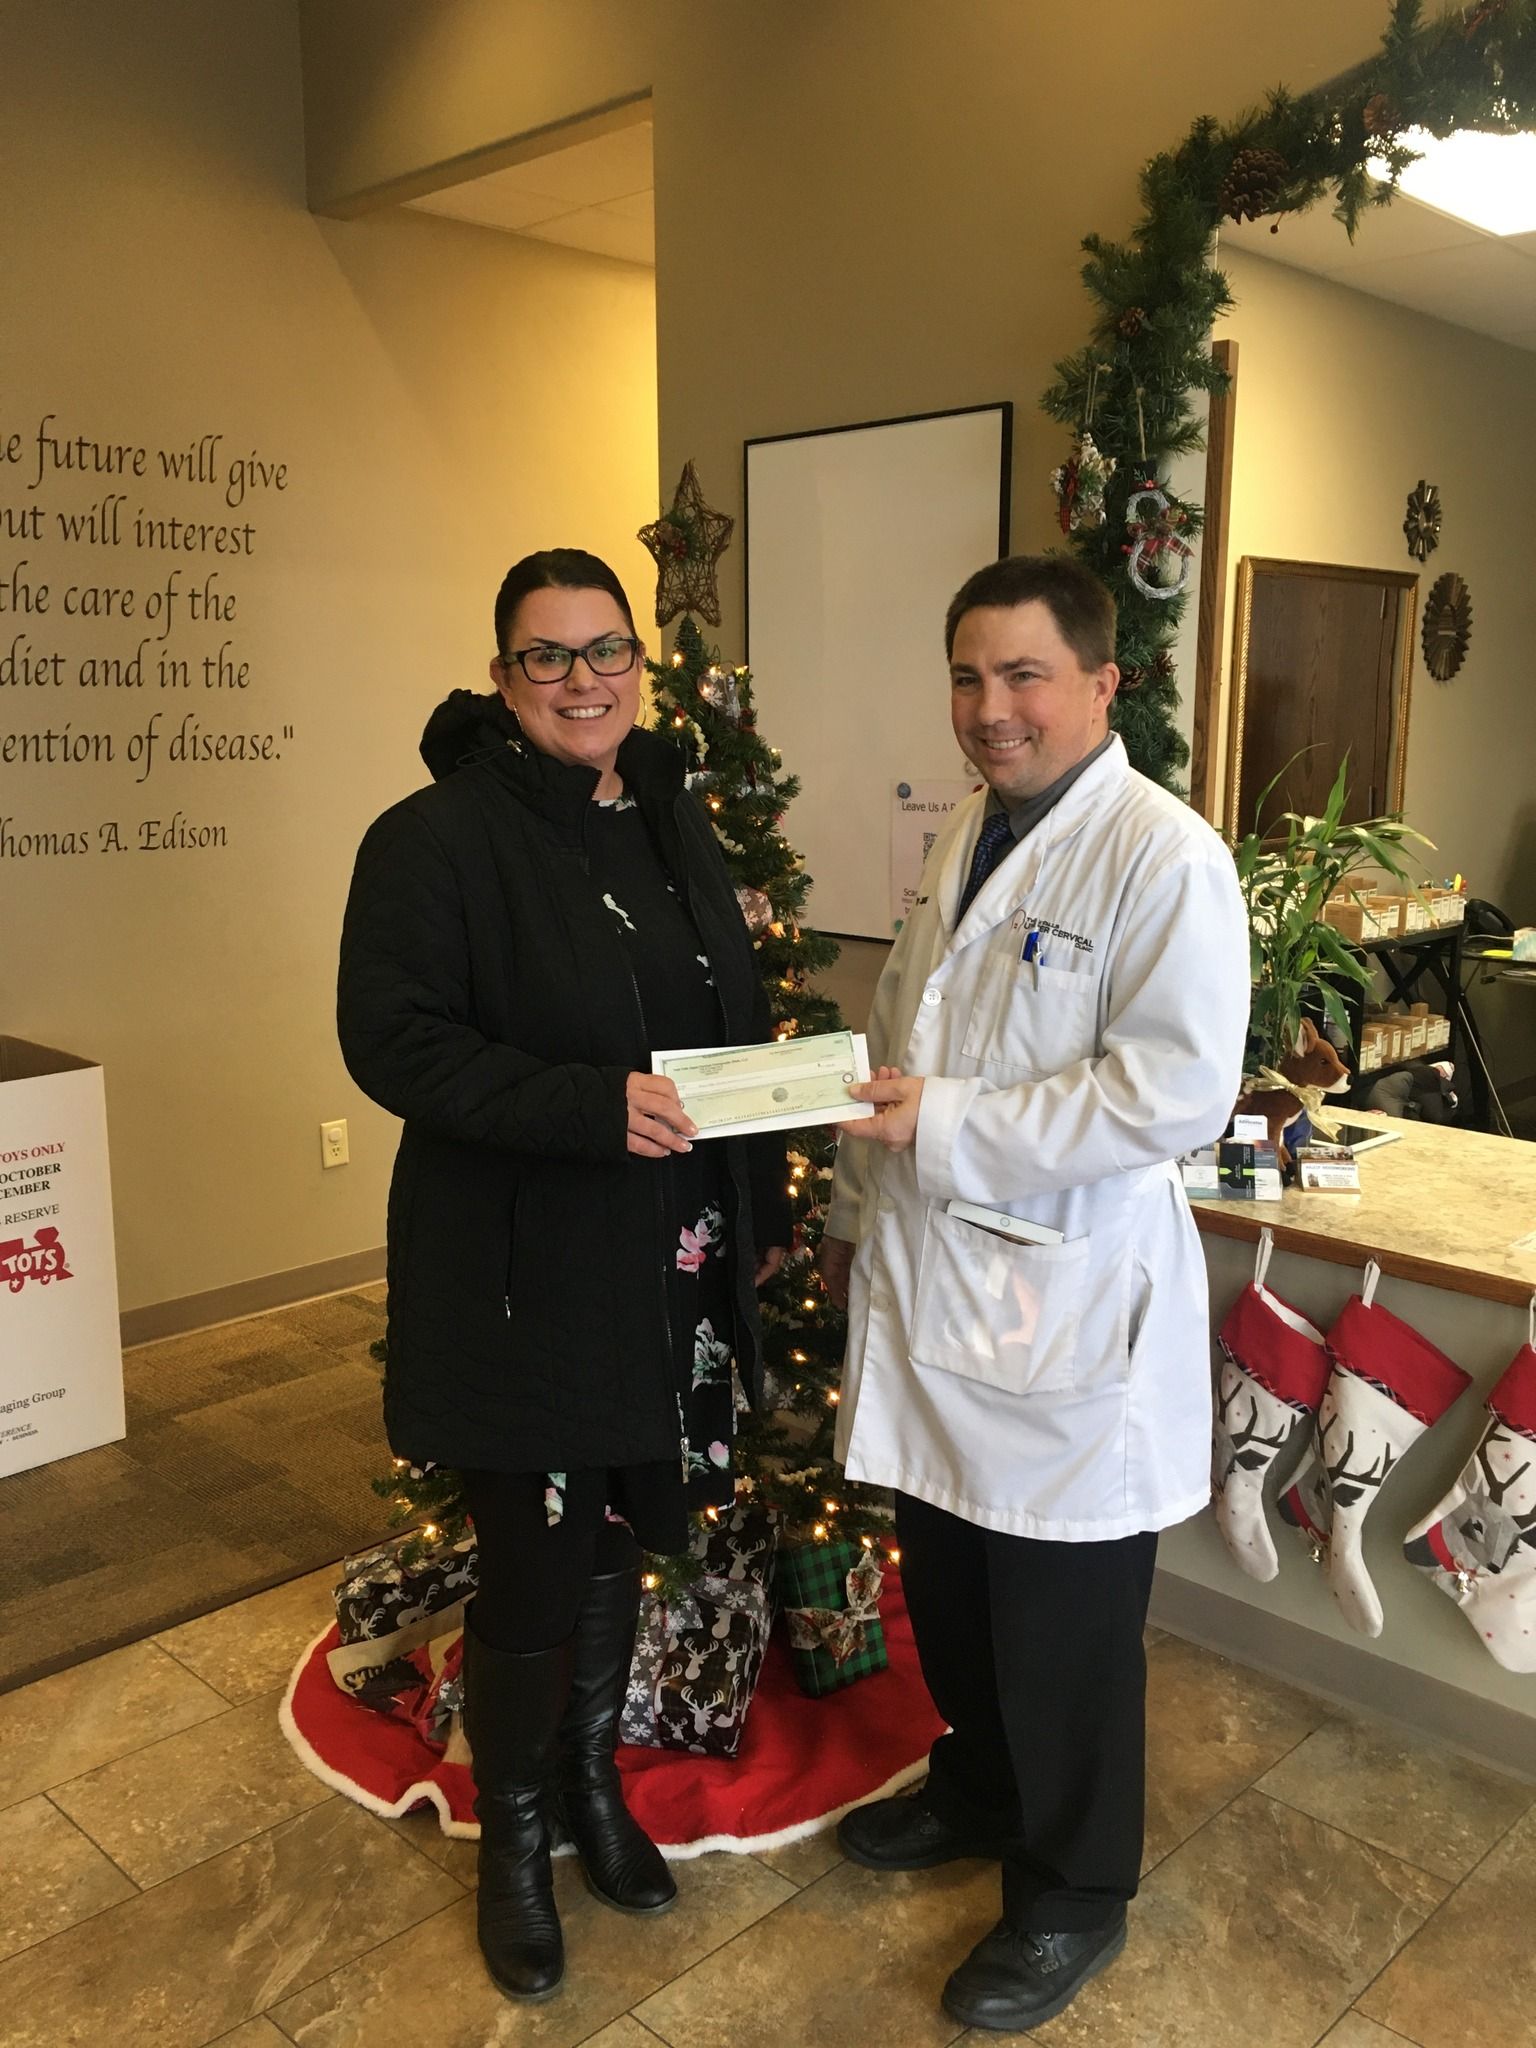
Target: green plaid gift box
833, 1639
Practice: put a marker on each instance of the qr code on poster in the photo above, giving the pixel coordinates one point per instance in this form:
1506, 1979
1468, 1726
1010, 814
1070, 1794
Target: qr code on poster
928, 839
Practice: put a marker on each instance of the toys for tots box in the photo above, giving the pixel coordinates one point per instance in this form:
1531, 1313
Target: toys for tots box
61, 1363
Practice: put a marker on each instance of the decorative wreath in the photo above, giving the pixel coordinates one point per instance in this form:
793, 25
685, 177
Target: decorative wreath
1447, 626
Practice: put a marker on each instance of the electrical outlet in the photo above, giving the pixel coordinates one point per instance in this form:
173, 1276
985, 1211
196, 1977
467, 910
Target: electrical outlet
333, 1143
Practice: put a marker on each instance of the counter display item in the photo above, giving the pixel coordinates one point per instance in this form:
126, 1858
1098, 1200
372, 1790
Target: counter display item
1328, 1169
1248, 1173
1386, 1387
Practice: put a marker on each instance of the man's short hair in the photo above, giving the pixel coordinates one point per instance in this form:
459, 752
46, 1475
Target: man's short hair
1079, 603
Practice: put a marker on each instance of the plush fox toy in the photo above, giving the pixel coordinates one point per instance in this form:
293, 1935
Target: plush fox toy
1313, 1070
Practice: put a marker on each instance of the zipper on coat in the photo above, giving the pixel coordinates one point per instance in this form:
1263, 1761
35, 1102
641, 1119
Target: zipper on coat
658, 1193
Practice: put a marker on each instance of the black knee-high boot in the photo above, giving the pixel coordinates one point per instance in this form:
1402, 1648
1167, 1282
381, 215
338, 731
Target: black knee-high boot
622, 1864
513, 1707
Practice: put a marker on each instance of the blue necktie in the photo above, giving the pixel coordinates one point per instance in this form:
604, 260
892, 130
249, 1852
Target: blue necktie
995, 841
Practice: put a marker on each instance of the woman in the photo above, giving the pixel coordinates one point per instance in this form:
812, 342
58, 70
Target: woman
570, 1275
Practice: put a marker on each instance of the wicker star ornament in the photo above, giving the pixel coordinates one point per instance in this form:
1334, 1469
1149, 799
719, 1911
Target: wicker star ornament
687, 542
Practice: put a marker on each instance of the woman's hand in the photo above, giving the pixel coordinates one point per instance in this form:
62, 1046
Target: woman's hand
898, 1099
658, 1123
768, 1263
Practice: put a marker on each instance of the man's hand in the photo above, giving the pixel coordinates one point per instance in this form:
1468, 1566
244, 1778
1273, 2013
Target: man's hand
898, 1098
834, 1262
658, 1123
768, 1263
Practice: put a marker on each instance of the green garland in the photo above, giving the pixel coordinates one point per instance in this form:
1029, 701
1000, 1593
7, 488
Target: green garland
1158, 294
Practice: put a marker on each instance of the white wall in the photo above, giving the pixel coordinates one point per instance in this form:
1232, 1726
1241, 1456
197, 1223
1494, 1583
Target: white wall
444, 398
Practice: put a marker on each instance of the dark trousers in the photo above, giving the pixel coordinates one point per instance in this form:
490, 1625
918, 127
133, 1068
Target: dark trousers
534, 1573
1033, 1654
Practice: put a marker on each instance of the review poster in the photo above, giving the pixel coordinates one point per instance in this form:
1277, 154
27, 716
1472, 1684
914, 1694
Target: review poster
919, 813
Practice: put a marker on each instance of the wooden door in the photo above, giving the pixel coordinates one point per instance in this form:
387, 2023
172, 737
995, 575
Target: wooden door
1321, 672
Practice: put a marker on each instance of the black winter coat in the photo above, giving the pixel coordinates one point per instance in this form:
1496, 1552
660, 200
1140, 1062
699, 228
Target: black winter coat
485, 999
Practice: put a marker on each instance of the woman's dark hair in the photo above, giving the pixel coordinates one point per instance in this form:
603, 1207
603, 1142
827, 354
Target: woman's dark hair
1080, 604
554, 569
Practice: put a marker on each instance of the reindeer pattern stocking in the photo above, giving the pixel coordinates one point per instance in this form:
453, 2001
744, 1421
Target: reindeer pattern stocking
1272, 1374
1479, 1542
1386, 1386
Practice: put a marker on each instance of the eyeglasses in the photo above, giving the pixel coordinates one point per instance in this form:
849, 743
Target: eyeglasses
549, 662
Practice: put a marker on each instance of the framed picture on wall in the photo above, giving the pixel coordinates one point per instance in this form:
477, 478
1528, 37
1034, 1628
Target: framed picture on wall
856, 539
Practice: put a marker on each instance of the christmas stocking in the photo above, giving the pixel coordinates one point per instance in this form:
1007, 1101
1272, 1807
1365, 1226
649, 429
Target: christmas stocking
1388, 1384
1480, 1542
1273, 1372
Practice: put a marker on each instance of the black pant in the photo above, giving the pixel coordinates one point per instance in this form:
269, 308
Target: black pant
534, 1573
1033, 1654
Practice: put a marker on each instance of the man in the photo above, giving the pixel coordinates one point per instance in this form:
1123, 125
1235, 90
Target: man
1065, 1013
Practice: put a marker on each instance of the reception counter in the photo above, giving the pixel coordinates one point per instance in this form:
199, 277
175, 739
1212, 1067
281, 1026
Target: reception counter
1450, 1217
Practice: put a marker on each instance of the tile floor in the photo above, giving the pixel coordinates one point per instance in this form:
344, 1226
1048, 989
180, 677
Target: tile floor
170, 1875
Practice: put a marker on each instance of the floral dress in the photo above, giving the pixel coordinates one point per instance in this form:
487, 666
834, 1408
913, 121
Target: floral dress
676, 995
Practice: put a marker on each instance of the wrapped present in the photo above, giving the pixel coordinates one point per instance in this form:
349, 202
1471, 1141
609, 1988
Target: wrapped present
412, 1674
378, 1593
740, 1546
709, 1674
831, 1595
400, 1629
698, 1655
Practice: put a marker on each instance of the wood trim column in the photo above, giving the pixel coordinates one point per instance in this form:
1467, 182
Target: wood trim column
1213, 588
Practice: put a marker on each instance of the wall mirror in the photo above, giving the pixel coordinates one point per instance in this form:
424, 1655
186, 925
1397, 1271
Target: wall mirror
1322, 666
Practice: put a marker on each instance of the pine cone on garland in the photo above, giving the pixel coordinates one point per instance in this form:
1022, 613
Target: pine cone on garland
1131, 321
1475, 19
1253, 183
1378, 116
1134, 673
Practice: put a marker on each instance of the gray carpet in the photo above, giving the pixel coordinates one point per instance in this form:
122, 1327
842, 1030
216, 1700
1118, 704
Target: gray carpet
248, 1460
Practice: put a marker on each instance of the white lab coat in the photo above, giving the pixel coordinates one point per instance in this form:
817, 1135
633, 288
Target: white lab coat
1054, 1391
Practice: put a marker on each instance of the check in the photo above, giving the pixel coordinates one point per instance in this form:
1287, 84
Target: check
729, 1089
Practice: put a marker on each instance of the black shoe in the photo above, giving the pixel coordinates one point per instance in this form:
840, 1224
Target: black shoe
906, 1834
623, 1866
513, 1706
1012, 1981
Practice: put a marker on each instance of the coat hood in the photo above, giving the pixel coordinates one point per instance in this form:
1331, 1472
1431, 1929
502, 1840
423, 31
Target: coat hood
471, 727
465, 726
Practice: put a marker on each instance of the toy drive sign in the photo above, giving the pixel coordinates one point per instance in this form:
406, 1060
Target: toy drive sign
61, 1365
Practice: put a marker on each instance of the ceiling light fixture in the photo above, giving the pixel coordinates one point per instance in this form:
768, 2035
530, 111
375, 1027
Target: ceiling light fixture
1486, 180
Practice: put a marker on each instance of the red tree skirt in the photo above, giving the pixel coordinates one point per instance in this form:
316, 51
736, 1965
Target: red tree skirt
801, 1765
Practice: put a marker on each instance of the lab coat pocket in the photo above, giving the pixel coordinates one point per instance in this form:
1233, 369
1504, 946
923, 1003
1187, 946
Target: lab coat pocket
1032, 1021
1002, 1313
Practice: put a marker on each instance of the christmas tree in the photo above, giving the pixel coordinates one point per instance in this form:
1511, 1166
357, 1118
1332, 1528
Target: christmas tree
784, 1452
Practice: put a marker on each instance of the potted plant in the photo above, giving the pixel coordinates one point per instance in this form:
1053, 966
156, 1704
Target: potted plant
1288, 869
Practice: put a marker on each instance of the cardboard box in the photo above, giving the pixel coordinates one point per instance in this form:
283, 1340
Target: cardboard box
1387, 913
61, 1362
1347, 916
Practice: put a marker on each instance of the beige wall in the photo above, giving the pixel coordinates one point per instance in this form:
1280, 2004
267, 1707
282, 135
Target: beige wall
1344, 401
444, 398
866, 210
395, 86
